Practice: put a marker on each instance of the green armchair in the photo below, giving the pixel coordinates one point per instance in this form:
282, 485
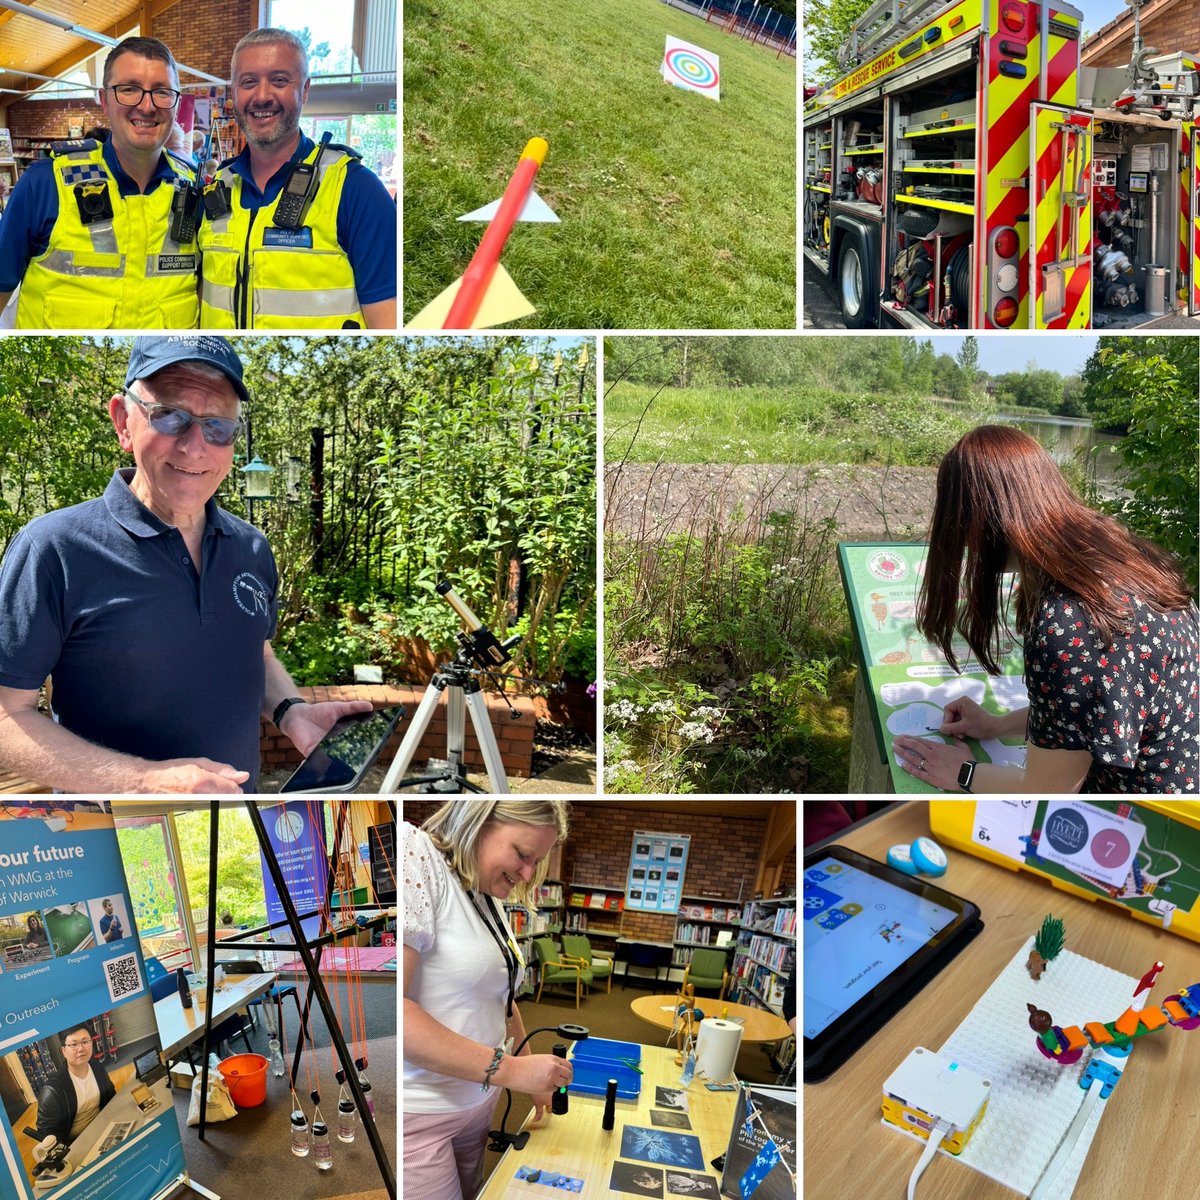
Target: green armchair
577, 948
707, 971
554, 967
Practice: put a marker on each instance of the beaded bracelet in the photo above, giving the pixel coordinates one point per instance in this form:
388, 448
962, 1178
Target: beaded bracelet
487, 1075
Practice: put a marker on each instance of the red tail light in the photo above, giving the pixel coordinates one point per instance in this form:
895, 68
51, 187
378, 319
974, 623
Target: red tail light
1012, 16
1005, 312
1007, 244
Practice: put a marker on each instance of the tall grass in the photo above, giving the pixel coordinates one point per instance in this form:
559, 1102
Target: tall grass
793, 425
677, 212
727, 661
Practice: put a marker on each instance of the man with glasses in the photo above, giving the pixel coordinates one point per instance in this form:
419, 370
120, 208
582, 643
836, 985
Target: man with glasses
294, 236
151, 609
74, 1096
88, 233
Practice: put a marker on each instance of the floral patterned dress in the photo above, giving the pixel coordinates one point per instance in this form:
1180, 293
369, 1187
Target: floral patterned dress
1132, 705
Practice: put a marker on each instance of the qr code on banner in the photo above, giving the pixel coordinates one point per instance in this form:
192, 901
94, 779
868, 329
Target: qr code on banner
123, 977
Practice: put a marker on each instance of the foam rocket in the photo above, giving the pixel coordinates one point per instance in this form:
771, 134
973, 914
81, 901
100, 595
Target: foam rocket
485, 294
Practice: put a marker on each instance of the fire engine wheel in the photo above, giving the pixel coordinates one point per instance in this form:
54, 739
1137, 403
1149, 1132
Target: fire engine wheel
852, 284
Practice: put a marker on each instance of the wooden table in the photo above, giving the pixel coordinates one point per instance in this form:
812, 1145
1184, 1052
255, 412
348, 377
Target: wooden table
179, 1027
1143, 1135
575, 1145
758, 1025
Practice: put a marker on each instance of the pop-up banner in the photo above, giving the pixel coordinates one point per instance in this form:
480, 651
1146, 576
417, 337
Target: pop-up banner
296, 831
87, 1112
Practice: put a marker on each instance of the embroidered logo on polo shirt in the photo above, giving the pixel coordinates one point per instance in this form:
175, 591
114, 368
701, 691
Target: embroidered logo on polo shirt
250, 595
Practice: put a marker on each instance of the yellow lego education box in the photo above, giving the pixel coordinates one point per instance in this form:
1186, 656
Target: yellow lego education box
1143, 855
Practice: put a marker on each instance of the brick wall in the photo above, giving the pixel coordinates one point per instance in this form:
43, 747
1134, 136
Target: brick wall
723, 853
52, 119
204, 35
1169, 28
514, 737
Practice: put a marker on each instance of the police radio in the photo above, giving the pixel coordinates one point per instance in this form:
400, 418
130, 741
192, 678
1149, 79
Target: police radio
185, 211
299, 190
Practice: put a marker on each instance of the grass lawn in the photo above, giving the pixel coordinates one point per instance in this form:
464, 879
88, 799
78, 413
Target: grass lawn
815, 424
677, 212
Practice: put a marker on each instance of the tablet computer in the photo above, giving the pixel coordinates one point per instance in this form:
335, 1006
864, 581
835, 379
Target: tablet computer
873, 937
345, 754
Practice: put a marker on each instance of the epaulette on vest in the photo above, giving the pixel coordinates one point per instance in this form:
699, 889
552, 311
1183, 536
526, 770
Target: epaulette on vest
345, 150
74, 146
178, 160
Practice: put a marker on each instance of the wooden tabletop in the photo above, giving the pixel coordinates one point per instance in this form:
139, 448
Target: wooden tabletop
758, 1025
1144, 1144
179, 1026
575, 1145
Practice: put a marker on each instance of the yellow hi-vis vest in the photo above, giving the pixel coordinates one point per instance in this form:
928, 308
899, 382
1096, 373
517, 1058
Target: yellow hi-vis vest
120, 272
256, 276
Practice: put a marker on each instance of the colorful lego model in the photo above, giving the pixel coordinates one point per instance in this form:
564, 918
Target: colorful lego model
1047, 945
1066, 1046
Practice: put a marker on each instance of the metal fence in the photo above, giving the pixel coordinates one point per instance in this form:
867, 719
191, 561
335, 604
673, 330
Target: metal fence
749, 19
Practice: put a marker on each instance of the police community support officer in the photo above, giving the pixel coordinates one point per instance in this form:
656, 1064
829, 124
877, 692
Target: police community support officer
87, 234
151, 609
293, 236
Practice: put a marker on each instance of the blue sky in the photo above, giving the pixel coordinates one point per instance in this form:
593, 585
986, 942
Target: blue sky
1003, 352
1097, 13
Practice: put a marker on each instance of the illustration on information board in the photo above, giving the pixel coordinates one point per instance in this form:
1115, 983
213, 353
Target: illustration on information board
908, 681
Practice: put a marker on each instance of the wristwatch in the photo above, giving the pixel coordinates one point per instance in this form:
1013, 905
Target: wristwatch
965, 774
283, 706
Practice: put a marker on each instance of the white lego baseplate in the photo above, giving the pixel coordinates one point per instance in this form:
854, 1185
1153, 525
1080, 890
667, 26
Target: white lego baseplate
1033, 1100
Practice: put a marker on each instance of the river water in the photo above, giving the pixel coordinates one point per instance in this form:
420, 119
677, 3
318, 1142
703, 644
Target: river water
1068, 439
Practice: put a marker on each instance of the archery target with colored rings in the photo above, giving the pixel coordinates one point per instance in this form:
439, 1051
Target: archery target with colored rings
692, 67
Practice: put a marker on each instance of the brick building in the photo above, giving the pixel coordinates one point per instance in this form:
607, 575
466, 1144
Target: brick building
1166, 25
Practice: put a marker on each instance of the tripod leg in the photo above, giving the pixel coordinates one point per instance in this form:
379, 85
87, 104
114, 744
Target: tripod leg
456, 735
412, 739
487, 743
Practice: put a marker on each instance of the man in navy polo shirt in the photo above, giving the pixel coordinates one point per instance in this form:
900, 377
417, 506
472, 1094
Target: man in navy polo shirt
151, 609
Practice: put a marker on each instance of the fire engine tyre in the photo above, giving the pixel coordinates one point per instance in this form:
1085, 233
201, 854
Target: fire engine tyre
853, 282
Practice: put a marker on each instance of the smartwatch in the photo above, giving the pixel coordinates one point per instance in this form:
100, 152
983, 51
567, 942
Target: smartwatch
282, 708
965, 773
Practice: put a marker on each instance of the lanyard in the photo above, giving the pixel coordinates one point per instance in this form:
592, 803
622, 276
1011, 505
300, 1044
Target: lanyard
506, 951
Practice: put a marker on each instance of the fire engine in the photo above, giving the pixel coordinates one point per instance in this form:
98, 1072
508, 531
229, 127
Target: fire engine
967, 173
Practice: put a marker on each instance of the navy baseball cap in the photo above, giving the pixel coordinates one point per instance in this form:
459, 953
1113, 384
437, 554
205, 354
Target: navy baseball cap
152, 354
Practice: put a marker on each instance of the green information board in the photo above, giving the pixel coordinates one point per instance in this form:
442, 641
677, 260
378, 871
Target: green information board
908, 681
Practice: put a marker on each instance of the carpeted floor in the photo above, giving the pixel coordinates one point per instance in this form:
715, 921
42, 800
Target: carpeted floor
249, 1157
609, 1016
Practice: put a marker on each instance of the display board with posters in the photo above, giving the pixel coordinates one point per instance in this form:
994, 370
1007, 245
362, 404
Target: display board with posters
657, 863
908, 681
296, 831
87, 1109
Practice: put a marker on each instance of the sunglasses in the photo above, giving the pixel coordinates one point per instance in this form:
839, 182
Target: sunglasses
175, 422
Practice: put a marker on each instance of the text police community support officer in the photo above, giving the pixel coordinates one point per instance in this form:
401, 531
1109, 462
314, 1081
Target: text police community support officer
294, 236
88, 233
151, 609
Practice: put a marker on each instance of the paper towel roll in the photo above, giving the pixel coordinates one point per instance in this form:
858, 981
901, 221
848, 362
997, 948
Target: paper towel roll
717, 1048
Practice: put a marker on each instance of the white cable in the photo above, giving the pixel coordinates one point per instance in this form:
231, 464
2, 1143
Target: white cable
936, 1136
1069, 1142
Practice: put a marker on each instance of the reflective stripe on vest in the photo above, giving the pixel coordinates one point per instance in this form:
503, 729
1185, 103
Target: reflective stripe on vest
125, 272
246, 284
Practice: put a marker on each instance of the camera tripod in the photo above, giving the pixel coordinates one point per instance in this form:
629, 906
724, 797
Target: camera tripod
458, 681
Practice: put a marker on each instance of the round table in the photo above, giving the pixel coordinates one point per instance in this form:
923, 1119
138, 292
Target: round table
758, 1025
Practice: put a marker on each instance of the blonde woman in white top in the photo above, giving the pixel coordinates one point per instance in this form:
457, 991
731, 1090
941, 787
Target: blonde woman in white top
462, 972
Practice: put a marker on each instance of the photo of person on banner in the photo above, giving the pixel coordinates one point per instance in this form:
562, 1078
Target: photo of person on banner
23, 940
82, 1092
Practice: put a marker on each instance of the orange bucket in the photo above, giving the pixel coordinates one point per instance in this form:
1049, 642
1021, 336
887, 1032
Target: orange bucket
246, 1077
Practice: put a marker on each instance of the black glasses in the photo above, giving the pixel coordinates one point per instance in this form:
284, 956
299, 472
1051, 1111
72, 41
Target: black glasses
175, 422
129, 94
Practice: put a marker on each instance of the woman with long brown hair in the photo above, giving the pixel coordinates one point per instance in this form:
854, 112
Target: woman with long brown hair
1108, 624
